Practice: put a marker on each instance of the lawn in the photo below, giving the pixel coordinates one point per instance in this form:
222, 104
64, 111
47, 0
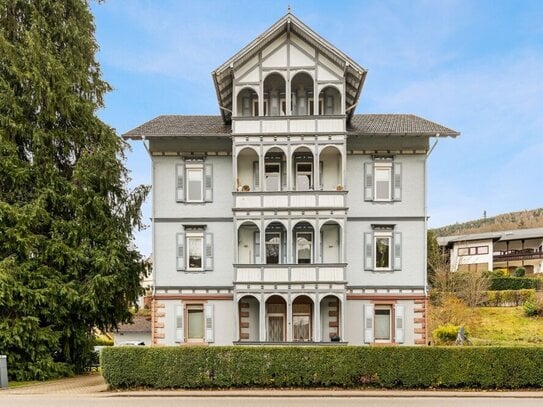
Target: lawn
506, 326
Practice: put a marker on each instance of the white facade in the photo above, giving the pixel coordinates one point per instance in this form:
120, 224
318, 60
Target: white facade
293, 224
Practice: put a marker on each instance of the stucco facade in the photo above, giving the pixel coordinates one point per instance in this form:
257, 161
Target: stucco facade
289, 219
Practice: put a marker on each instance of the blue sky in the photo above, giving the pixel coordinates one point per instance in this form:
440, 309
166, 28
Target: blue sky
473, 66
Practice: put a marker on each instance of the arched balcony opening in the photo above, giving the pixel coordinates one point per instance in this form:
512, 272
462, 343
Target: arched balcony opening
276, 319
249, 244
247, 103
330, 318
303, 169
302, 319
329, 101
330, 243
275, 170
301, 92
276, 244
249, 319
303, 236
274, 95
331, 172
248, 178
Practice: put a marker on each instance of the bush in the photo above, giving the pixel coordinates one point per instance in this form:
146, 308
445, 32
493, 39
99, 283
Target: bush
500, 273
534, 307
513, 283
330, 366
446, 334
102, 341
520, 272
508, 297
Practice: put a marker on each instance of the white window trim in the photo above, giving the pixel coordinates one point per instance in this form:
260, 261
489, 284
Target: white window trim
266, 246
198, 307
188, 237
390, 309
312, 248
188, 169
381, 235
379, 166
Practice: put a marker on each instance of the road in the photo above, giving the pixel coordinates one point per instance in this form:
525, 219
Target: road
171, 401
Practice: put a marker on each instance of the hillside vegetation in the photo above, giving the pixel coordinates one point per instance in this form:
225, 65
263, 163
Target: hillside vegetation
508, 221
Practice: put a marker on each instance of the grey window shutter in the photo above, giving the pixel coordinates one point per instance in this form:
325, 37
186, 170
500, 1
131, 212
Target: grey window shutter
256, 176
179, 332
208, 251
368, 323
397, 241
283, 176
368, 251
368, 181
180, 251
321, 172
208, 310
256, 248
208, 182
399, 323
180, 183
397, 181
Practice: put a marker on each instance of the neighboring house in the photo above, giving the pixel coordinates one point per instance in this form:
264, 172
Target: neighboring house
509, 249
288, 218
139, 330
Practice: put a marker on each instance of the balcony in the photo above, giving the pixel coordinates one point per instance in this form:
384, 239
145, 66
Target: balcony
288, 124
518, 255
290, 273
290, 199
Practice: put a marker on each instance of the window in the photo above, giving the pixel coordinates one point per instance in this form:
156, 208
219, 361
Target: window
194, 181
195, 244
273, 176
382, 180
382, 323
301, 322
304, 247
195, 323
273, 247
472, 251
304, 176
383, 252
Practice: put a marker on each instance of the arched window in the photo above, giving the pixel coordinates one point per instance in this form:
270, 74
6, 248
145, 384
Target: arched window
274, 95
301, 98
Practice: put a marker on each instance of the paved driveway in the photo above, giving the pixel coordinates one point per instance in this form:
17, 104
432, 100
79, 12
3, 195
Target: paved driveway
85, 384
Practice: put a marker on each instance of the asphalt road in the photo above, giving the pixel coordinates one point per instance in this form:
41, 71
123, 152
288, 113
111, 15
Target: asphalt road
116, 400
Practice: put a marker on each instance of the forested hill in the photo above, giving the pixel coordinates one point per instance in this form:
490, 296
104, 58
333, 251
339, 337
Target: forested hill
513, 220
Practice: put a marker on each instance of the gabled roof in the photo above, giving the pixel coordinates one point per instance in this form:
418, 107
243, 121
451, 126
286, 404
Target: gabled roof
141, 323
361, 124
502, 236
223, 76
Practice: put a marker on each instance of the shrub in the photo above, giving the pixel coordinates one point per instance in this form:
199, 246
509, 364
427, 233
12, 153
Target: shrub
447, 334
452, 310
513, 283
500, 273
520, 272
102, 341
534, 306
508, 297
330, 366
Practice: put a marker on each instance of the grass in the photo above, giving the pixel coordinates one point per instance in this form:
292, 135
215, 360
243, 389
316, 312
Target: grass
12, 385
506, 326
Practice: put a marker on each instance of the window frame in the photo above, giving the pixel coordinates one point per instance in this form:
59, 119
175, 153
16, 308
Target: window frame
279, 181
390, 309
199, 307
311, 250
310, 173
193, 236
389, 237
381, 167
194, 168
279, 256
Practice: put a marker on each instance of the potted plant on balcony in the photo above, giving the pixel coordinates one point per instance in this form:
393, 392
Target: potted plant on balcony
339, 187
245, 188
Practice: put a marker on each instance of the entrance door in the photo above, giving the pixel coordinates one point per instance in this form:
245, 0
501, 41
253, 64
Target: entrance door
276, 328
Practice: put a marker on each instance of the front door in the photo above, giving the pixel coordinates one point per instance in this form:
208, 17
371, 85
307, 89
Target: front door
276, 332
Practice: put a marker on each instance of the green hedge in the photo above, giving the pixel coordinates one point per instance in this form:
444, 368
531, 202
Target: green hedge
515, 298
514, 283
341, 366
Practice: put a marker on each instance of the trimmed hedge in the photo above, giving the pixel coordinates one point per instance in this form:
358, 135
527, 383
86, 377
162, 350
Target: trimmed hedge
502, 298
514, 283
331, 366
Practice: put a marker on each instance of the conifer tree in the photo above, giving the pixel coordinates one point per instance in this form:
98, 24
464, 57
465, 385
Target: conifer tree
67, 266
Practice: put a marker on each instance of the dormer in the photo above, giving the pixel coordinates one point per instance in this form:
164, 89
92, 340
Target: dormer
288, 71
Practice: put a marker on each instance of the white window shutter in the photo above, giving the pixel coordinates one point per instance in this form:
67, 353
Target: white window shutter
397, 181
368, 251
180, 183
208, 251
399, 323
179, 331
180, 251
397, 242
256, 247
256, 176
208, 187
368, 181
209, 328
368, 323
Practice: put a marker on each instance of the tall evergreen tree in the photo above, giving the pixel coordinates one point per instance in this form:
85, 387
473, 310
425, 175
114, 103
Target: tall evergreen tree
66, 215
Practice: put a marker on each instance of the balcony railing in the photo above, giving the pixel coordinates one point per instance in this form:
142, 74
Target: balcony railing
290, 273
288, 124
289, 199
523, 254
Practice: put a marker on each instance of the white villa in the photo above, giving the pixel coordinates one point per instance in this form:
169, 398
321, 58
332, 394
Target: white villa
288, 218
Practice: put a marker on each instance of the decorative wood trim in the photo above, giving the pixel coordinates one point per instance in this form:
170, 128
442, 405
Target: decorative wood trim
196, 297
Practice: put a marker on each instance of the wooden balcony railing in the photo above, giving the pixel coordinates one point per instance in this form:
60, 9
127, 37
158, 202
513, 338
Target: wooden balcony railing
523, 254
290, 273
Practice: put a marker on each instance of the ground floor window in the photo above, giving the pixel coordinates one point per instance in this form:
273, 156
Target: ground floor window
195, 323
301, 321
382, 323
